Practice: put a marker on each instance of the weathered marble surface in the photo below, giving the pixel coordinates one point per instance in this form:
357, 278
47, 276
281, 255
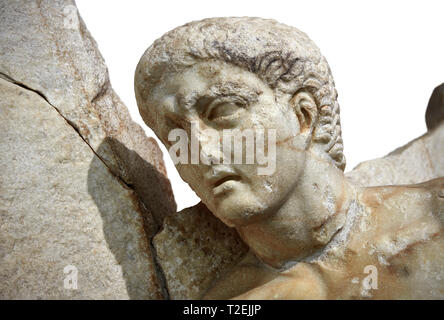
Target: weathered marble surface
315, 232
381, 255
61, 206
193, 249
81, 184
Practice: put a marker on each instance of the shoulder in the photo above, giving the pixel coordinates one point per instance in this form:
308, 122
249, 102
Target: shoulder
406, 201
400, 216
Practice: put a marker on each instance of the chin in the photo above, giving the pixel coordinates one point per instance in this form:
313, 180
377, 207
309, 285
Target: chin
238, 209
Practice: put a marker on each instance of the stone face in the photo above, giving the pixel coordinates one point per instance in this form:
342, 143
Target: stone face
418, 161
193, 249
312, 232
61, 206
82, 185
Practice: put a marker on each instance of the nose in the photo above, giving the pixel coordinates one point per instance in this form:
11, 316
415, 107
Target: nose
210, 146
209, 155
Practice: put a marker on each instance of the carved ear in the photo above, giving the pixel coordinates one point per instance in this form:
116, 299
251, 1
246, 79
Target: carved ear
306, 110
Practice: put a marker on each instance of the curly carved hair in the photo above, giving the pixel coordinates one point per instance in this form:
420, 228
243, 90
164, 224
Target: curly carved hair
284, 57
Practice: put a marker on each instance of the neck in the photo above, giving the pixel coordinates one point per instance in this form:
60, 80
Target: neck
314, 211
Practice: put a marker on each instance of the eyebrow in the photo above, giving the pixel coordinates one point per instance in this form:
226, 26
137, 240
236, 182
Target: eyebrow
225, 89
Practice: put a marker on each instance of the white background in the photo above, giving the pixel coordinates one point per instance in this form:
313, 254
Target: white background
386, 58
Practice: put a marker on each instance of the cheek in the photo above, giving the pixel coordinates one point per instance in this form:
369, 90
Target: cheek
288, 126
290, 162
190, 174
288, 145
289, 166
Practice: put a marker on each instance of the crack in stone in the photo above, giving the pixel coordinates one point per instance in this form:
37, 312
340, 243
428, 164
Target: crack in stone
69, 122
157, 267
159, 272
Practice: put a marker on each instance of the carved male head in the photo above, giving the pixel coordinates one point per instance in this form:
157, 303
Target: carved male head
238, 73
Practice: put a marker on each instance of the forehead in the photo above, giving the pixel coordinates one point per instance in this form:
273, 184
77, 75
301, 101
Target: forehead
205, 78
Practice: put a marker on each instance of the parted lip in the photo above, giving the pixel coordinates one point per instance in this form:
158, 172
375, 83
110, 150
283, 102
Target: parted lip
215, 179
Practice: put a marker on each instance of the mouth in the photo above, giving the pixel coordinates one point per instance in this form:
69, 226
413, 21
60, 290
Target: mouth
226, 179
223, 183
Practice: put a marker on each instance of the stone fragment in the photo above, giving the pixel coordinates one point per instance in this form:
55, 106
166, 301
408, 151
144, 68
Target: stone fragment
82, 184
60, 206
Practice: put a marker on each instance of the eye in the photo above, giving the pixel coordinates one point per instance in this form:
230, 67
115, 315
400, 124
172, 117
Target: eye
223, 110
